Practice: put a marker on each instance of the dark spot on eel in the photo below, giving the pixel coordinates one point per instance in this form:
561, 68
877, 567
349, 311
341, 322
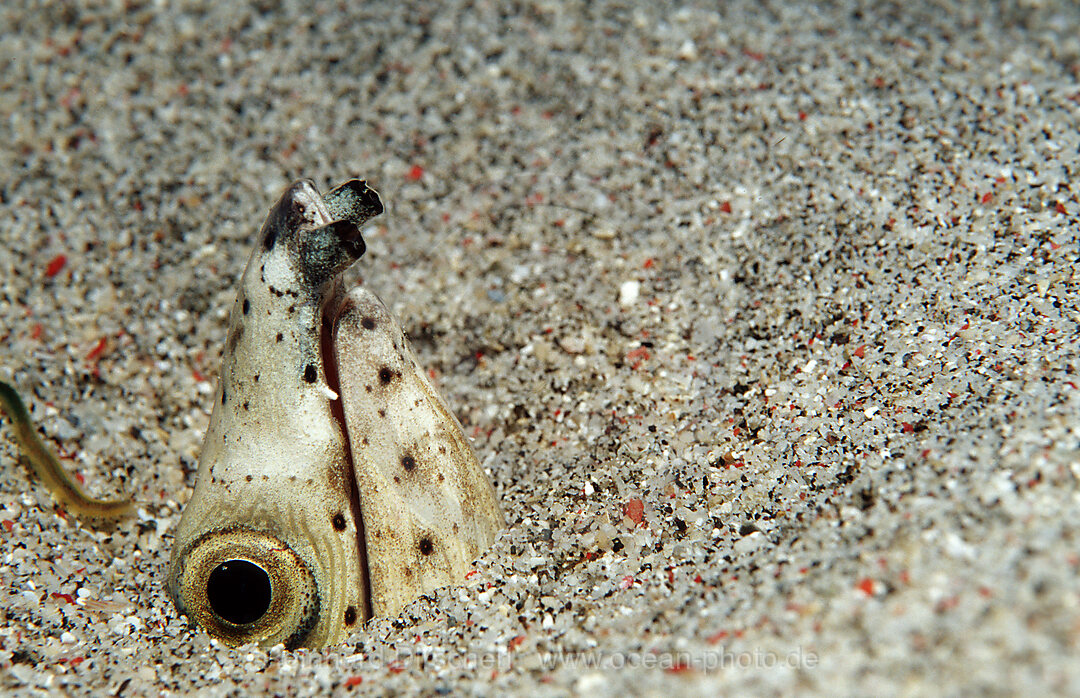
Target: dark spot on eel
339, 522
310, 374
350, 615
386, 375
409, 463
426, 546
368, 323
247, 306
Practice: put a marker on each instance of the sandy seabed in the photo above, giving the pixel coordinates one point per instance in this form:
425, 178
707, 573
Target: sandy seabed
763, 321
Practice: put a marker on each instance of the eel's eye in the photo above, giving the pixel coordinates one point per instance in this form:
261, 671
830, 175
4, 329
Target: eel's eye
247, 586
239, 591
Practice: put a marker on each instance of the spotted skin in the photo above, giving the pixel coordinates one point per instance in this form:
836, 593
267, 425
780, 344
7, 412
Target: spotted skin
429, 509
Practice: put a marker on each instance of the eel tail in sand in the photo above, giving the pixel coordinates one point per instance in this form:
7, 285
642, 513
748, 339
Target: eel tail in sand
48, 469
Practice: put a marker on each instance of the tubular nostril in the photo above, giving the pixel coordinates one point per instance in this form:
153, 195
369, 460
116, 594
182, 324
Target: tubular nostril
239, 591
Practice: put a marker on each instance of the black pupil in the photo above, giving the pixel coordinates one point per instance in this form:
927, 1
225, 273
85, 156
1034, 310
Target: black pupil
239, 591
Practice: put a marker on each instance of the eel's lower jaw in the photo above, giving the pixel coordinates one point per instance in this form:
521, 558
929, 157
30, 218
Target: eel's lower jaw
348, 233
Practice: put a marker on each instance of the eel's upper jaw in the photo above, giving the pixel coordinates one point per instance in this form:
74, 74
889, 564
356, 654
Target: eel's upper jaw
353, 201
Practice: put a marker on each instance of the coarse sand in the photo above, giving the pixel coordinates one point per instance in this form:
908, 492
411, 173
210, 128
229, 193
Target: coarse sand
763, 320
